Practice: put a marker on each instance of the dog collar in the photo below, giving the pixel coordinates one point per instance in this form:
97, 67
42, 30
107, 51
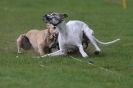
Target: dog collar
58, 23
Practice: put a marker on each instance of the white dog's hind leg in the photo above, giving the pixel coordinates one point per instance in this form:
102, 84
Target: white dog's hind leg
90, 37
81, 50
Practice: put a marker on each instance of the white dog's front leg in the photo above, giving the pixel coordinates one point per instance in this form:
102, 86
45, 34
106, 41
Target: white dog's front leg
57, 53
81, 50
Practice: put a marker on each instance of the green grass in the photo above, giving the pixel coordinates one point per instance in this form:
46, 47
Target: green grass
112, 69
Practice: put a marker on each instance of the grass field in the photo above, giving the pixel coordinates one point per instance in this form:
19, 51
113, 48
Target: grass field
112, 69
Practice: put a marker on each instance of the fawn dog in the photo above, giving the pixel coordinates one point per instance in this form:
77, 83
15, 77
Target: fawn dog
39, 40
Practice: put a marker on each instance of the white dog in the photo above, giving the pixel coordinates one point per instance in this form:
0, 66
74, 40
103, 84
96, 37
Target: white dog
71, 34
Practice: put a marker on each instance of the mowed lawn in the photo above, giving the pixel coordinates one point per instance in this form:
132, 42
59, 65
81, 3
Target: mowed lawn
113, 68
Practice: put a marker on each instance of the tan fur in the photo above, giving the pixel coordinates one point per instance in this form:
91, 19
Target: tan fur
40, 40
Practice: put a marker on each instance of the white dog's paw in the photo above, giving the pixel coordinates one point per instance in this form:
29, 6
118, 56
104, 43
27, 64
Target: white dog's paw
45, 55
85, 55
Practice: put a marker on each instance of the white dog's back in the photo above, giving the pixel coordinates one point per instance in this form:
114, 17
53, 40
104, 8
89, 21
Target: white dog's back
77, 26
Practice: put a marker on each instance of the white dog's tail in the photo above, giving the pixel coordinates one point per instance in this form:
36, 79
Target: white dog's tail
90, 34
105, 43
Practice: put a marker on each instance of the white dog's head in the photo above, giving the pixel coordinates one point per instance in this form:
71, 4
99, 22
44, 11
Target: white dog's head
54, 18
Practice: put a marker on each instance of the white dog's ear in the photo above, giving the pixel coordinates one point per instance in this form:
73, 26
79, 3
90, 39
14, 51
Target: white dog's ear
65, 15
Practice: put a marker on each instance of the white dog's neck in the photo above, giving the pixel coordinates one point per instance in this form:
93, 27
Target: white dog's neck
62, 28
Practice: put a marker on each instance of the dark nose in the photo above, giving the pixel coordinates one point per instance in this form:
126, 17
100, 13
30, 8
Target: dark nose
54, 27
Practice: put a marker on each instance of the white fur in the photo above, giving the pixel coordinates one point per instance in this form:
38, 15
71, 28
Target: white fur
71, 35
